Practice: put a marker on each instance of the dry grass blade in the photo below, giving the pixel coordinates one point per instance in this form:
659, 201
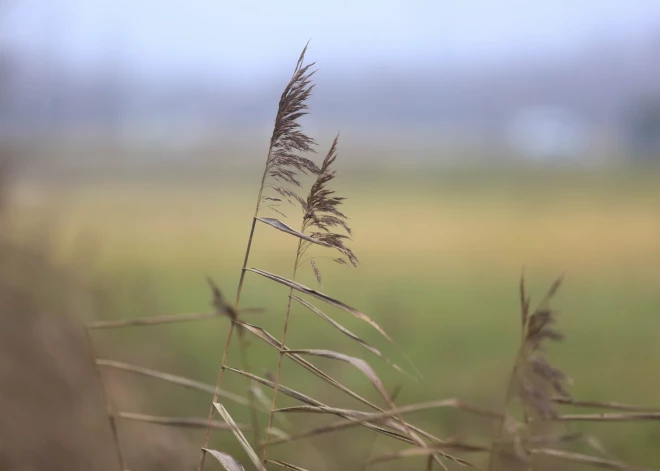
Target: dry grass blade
240, 437
186, 422
265, 336
357, 418
354, 418
604, 417
227, 461
443, 403
323, 297
366, 369
324, 410
312, 368
272, 341
279, 225
347, 332
156, 320
358, 363
587, 460
602, 405
414, 452
283, 389
338, 426
286, 465
170, 378
313, 402
261, 333
332, 301
551, 439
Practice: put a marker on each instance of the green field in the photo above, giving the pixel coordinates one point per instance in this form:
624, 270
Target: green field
441, 257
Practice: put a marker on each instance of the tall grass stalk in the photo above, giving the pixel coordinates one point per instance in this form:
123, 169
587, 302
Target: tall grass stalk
281, 166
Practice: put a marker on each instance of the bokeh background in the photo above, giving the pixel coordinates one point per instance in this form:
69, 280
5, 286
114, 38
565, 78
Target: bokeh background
477, 138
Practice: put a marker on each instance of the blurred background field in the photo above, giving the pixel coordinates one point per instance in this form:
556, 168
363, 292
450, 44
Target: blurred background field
478, 139
441, 256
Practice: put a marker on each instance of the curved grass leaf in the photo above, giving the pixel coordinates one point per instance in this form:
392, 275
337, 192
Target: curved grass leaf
286, 465
441, 403
358, 363
170, 378
347, 332
324, 410
186, 422
333, 302
239, 436
354, 418
311, 401
323, 297
151, 320
280, 226
413, 452
166, 319
269, 339
366, 369
376, 417
602, 417
341, 425
602, 405
227, 461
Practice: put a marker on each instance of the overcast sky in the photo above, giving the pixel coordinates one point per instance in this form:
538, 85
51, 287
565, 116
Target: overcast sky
245, 37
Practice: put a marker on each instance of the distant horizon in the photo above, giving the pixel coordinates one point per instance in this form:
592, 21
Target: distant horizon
465, 78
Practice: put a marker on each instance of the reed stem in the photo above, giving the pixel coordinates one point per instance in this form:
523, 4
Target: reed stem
225, 353
279, 164
279, 362
507, 398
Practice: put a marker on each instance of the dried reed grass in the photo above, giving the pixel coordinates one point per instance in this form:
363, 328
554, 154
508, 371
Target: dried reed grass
535, 384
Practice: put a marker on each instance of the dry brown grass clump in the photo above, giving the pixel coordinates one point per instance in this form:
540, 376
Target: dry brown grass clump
53, 416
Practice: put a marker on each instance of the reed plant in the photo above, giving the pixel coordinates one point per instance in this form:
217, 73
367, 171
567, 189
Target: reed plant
530, 430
